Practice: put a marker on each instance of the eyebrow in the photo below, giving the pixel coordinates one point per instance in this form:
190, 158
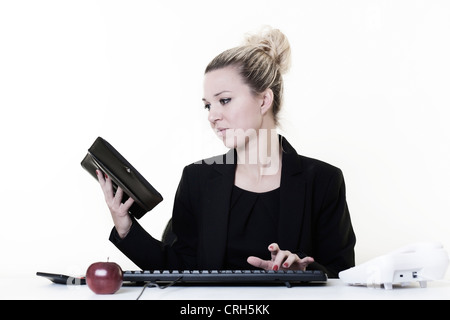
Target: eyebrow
217, 94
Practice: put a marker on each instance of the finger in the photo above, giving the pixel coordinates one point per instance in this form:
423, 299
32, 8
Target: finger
280, 258
295, 262
108, 189
307, 260
100, 177
259, 263
117, 201
274, 251
103, 183
127, 204
290, 260
274, 248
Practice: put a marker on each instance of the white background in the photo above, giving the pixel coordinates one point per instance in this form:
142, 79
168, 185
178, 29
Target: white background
368, 91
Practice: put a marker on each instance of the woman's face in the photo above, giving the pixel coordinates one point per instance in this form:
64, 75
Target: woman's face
234, 110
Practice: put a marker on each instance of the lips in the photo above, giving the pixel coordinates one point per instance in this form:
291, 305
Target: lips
221, 131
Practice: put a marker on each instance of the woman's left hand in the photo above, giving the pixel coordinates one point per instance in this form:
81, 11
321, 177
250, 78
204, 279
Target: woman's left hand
280, 260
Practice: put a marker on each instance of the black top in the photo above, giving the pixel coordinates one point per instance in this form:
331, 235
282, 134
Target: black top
252, 226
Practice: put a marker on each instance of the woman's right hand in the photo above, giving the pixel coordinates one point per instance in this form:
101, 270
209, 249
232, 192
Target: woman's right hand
119, 211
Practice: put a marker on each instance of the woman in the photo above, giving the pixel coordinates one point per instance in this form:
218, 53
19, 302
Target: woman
261, 205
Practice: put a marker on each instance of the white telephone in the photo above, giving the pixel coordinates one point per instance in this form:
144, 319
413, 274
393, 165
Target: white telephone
417, 262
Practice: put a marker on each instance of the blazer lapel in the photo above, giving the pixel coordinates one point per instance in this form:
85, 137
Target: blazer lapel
292, 199
216, 208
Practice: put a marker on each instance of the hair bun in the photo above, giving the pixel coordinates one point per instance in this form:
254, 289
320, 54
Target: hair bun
274, 43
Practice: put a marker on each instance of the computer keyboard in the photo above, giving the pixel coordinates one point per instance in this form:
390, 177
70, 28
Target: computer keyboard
239, 277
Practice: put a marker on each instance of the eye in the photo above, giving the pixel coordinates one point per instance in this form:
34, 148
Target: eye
207, 106
225, 101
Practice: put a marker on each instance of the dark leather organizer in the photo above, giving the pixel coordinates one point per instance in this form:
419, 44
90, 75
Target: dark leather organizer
102, 155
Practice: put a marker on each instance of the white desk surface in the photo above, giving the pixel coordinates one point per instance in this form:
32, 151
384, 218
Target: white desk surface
38, 288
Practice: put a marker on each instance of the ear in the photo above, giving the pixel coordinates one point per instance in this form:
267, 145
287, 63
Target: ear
267, 100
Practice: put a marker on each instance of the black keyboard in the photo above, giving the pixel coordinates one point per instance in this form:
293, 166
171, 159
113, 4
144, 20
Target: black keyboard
264, 277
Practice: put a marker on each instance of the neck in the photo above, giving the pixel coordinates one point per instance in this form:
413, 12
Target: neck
260, 154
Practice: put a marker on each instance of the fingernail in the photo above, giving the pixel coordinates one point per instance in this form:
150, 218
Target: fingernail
285, 265
275, 268
270, 247
106, 176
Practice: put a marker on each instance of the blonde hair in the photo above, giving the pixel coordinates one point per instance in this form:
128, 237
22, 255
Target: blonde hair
261, 60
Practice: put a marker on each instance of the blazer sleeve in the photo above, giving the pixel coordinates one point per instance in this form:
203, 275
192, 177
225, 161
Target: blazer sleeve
176, 251
334, 237
140, 247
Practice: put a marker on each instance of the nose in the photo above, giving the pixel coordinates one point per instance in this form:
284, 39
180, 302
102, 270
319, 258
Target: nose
214, 114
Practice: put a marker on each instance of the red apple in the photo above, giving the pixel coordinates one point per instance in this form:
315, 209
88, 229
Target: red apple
104, 277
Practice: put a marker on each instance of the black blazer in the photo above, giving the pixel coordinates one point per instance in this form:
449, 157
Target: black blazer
314, 218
